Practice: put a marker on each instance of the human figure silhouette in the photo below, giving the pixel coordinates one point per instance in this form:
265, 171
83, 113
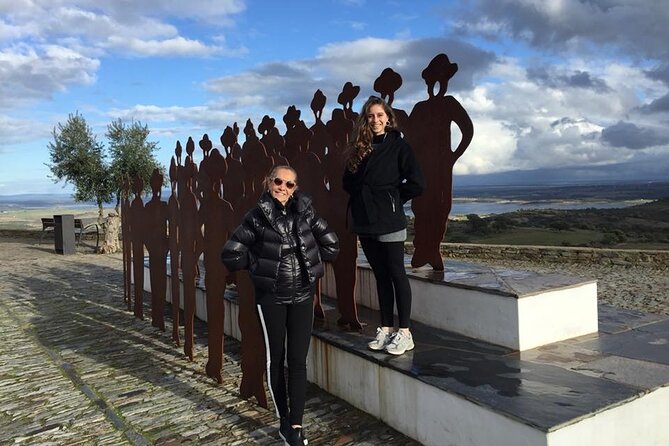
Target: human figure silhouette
272, 140
345, 266
215, 215
255, 160
348, 94
297, 134
155, 218
429, 133
386, 85
126, 218
137, 231
173, 242
233, 181
189, 248
319, 140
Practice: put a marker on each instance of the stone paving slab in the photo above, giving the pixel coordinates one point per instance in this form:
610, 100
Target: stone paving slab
77, 369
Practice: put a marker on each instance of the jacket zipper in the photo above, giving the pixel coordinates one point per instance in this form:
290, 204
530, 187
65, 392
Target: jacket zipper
392, 201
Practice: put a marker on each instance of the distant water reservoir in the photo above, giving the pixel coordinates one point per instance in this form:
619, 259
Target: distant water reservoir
464, 207
461, 206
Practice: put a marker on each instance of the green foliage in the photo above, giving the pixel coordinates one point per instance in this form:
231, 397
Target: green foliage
77, 158
501, 223
645, 226
559, 225
131, 154
477, 225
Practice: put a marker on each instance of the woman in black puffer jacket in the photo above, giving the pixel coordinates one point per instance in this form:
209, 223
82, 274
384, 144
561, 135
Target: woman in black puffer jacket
283, 243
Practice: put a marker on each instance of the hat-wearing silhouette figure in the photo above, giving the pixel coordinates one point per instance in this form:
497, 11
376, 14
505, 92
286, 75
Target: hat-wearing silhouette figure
429, 133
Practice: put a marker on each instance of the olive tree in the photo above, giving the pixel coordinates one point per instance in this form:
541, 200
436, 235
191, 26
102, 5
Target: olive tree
78, 158
131, 153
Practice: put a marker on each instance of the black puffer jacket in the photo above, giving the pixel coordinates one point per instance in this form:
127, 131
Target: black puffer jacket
282, 247
389, 177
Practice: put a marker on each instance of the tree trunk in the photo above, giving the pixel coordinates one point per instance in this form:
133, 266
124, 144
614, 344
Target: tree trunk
112, 228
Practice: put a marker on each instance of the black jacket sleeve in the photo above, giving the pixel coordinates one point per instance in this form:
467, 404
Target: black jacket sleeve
236, 252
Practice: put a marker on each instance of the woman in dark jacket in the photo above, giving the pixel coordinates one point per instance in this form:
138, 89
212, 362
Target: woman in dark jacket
381, 175
283, 243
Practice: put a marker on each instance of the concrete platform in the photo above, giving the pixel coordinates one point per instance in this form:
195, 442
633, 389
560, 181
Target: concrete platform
606, 388
516, 309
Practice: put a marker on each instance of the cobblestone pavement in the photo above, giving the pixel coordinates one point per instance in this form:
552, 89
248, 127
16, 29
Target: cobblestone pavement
77, 369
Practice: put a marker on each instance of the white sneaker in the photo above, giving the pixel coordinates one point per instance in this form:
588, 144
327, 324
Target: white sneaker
400, 343
381, 340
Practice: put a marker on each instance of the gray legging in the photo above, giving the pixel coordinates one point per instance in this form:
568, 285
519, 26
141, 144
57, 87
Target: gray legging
295, 322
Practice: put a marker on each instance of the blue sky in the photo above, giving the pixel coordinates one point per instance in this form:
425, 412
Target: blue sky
562, 86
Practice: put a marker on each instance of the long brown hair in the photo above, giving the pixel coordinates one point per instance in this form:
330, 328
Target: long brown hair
361, 142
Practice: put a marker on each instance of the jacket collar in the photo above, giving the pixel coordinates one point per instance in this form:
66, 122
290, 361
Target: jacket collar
271, 208
392, 136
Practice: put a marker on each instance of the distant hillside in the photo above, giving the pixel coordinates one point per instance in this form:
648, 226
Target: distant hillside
645, 226
617, 191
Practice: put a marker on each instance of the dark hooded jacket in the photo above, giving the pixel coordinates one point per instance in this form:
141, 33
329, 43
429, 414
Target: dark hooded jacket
385, 180
283, 247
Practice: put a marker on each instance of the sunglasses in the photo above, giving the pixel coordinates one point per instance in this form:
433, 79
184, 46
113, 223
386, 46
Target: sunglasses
289, 184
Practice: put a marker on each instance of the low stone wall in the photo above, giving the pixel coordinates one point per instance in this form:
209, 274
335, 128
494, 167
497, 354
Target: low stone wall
556, 254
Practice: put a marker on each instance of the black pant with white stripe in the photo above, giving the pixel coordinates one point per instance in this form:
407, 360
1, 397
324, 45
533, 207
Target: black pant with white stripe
287, 330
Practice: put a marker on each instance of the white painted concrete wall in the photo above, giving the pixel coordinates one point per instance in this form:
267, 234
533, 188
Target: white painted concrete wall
518, 323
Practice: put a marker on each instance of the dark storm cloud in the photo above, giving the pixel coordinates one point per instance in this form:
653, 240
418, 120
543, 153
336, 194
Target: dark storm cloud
471, 60
631, 26
659, 73
659, 105
630, 136
293, 82
577, 79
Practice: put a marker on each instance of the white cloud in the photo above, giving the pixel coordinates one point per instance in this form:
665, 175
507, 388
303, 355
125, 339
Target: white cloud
177, 46
27, 74
142, 27
491, 148
15, 131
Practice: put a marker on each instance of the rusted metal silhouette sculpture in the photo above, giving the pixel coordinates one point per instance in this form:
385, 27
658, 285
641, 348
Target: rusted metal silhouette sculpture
189, 232
215, 215
317, 182
255, 160
386, 85
272, 140
348, 94
127, 243
429, 133
155, 239
253, 344
173, 244
233, 182
137, 230
345, 266
227, 186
